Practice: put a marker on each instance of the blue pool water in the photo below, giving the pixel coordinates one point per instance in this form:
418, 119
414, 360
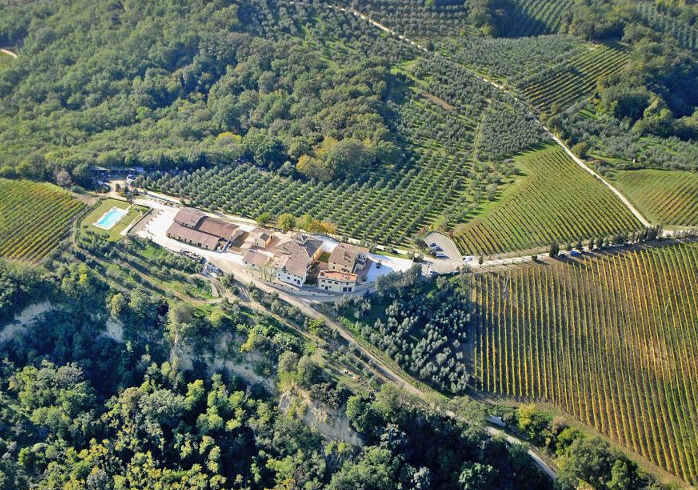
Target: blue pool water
110, 218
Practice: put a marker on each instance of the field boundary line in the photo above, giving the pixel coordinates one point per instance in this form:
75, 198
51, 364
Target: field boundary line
501, 87
618, 194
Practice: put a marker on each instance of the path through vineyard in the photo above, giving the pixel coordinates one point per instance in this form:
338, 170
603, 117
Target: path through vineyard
501, 87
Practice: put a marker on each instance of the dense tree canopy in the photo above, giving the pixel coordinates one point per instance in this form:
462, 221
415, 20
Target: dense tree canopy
82, 409
421, 323
165, 84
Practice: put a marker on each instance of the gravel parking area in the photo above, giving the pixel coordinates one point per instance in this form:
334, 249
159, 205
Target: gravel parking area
449, 248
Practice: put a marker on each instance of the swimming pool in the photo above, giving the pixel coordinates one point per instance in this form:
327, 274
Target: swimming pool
110, 218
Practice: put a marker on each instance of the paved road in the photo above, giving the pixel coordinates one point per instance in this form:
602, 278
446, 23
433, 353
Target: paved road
8, 52
376, 364
165, 214
447, 245
532, 454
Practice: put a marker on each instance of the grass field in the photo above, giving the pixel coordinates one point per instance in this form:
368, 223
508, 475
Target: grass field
611, 340
556, 201
571, 80
34, 217
114, 233
665, 197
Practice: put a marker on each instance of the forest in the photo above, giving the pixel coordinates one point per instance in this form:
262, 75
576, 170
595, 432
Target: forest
83, 408
122, 366
424, 328
217, 88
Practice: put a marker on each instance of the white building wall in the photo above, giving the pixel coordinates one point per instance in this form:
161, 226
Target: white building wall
289, 278
336, 286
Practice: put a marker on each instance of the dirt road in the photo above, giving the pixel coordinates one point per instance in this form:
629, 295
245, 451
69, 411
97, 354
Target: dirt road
511, 93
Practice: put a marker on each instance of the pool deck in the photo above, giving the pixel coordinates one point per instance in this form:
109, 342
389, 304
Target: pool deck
132, 213
121, 212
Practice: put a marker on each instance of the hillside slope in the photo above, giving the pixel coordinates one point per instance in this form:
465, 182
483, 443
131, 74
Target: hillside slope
610, 339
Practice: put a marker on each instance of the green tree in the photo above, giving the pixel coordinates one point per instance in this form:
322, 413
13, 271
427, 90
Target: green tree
8, 172
117, 305
263, 218
477, 476
308, 372
286, 221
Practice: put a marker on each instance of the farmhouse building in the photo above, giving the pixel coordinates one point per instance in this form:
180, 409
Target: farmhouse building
189, 217
260, 263
338, 282
260, 238
217, 227
292, 269
293, 258
312, 246
255, 260
196, 228
347, 258
193, 237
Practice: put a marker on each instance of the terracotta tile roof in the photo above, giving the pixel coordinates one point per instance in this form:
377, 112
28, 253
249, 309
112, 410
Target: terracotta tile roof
297, 264
217, 227
257, 259
189, 217
196, 220
310, 244
237, 235
184, 234
338, 276
297, 260
345, 255
261, 233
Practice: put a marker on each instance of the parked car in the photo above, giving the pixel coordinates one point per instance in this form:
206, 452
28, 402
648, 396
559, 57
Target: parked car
575, 253
441, 255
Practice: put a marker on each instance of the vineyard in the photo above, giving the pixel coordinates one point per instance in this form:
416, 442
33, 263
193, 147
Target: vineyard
34, 218
537, 17
413, 19
685, 34
566, 83
507, 58
435, 117
555, 201
386, 207
669, 198
611, 340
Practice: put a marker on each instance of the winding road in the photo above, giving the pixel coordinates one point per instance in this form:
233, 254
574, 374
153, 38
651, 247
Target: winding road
374, 362
512, 94
8, 52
